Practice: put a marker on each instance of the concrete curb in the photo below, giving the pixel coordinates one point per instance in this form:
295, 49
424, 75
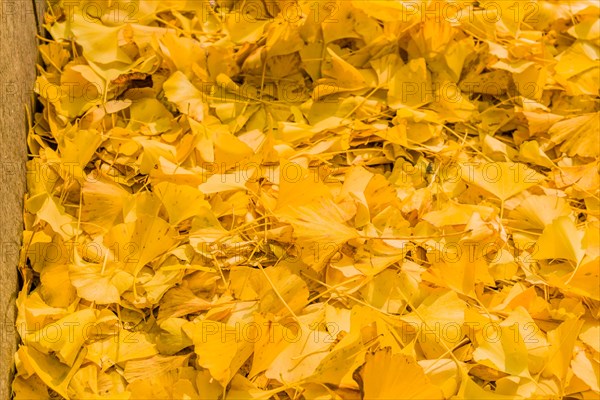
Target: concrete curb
18, 56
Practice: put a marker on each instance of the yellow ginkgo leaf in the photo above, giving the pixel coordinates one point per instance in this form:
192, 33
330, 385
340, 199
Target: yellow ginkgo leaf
32, 388
102, 283
139, 242
149, 116
279, 289
503, 350
84, 383
562, 342
88, 32
583, 281
226, 182
51, 211
310, 199
102, 205
122, 345
578, 135
342, 77
540, 211
70, 336
185, 95
460, 275
56, 287
342, 360
502, 179
181, 201
469, 390
219, 348
394, 376
144, 368
587, 370
54, 373
321, 221
283, 38
181, 301
561, 239
410, 85
435, 321
298, 186
456, 214
299, 359
531, 152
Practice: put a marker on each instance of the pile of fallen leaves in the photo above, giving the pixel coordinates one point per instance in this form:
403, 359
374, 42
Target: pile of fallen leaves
313, 200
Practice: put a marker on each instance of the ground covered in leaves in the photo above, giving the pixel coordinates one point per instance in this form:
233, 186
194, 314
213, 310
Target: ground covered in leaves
313, 200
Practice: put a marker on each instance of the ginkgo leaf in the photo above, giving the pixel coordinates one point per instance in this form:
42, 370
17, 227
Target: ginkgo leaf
149, 116
155, 365
531, 152
505, 352
460, 275
502, 179
181, 201
102, 204
321, 221
347, 76
411, 85
442, 373
87, 33
456, 214
230, 149
172, 338
328, 200
54, 374
225, 182
119, 347
32, 388
338, 367
102, 283
394, 376
180, 301
578, 135
279, 289
242, 388
90, 380
54, 214
283, 38
298, 186
306, 351
140, 242
202, 140
561, 239
57, 288
470, 390
583, 281
441, 310
561, 341
77, 149
183, 93
587, 370
540, 211
219, 349
587, 29
71, 336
